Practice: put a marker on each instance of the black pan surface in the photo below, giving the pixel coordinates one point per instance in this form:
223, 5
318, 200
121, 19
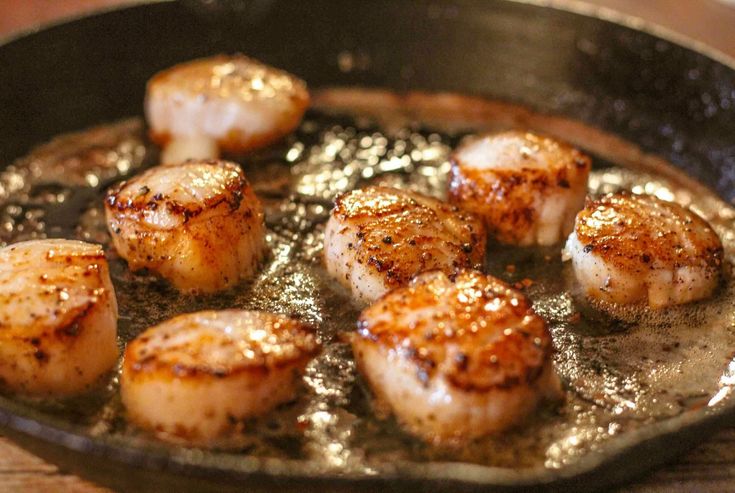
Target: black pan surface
670, 100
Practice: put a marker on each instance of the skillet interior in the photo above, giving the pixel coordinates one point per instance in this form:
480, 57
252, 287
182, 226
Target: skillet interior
542, 82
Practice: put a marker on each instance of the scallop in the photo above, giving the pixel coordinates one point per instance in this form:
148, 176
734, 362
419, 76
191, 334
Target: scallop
229, 103
378, 238
195, 378
639, 250
527, 188
456, 357
197, 224
58, 317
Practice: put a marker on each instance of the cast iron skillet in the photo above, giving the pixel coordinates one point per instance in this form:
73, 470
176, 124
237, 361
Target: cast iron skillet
671, 100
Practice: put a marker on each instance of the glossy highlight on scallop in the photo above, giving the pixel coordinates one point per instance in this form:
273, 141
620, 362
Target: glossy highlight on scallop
628, 249
526, 187
198, 224
378, 238
456, 357
196, 378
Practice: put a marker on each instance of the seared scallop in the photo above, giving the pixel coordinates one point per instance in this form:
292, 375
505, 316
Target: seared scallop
197, 224
378, 238
58, 317
456, 358
196, 377
527, 188
229, 103
637, 249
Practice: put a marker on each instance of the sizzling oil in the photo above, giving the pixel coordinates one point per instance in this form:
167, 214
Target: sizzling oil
619, 377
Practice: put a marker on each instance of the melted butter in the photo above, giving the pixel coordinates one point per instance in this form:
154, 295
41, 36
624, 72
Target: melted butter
619, 377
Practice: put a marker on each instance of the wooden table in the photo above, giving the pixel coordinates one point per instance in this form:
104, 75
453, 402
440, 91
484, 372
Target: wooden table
710, 467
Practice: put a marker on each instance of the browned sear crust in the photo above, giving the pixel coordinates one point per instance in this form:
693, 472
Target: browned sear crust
509, 194
481, 333
637, 233
401, 233
185, 347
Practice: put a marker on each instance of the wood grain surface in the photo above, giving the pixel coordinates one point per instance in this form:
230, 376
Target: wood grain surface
710, 467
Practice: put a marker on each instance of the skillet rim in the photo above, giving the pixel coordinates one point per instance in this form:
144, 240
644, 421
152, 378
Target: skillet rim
577, 7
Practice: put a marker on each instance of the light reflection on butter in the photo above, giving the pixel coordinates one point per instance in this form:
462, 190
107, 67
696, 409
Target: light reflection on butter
345, 157
578, 441
329, 426
727, 381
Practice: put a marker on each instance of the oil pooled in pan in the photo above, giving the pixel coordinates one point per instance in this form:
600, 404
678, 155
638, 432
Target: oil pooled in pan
618, 377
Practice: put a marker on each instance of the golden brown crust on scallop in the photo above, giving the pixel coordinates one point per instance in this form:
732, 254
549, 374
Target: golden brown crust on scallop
125, 198
420, 238
196, 345
75, 271
235, 78
481, 334
637, 233
198, 224
505, 195
231, 76
58, 317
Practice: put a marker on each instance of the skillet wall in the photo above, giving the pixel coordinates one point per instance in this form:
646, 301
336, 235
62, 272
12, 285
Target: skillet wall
668, 99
